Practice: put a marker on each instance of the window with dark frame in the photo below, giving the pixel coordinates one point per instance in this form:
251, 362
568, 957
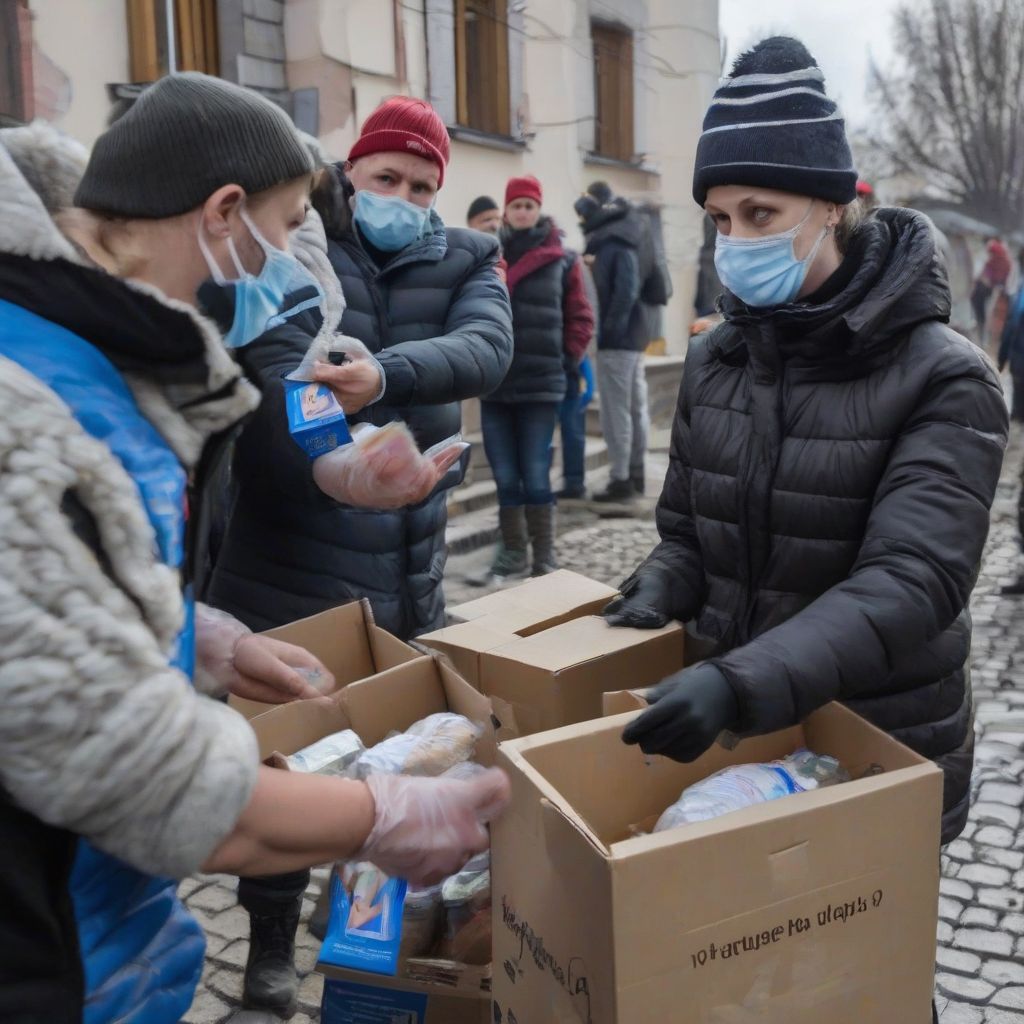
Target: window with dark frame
195, 37
481, 66
15, 62
613, 91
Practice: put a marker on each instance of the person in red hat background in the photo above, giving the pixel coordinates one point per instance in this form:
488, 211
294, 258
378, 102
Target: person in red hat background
427, 303
552, 322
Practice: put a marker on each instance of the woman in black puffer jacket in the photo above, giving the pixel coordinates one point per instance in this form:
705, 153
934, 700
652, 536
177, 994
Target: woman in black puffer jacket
835, 453
552, 322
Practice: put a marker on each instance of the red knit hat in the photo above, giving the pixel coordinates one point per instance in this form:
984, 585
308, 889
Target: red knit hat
526, 187
403, 124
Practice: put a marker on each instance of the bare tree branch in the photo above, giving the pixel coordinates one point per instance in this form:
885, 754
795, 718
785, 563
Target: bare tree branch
952, 109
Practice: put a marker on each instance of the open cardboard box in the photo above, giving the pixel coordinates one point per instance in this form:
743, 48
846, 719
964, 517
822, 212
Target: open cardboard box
392, 701
346, 640
545, 656
817, 907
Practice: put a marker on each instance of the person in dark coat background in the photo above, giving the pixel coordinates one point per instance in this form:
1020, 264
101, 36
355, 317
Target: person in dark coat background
621, 257
835, 452
428, 304
552, 322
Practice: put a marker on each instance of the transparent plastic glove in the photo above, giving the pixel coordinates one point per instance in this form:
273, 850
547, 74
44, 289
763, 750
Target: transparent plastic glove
359, 381
230, 658
426, 829
383, 468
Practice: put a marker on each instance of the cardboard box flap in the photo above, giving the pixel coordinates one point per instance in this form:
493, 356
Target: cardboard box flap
388, 651
553, 594
393, 700
474, 637
577, 642
290, 727
622, 702
338, 637
346, 640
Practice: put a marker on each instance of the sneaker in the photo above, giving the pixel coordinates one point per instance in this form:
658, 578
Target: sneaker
618, 491
639, 485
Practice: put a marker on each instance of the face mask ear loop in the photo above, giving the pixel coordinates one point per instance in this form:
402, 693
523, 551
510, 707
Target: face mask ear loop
214, 267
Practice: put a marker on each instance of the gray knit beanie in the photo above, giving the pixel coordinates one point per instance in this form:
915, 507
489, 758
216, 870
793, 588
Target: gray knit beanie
187, 136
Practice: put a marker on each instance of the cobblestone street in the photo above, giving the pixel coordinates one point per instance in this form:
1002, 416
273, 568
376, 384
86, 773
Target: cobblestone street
980, 978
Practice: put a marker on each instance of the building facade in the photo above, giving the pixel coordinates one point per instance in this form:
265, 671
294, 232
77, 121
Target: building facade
568, 90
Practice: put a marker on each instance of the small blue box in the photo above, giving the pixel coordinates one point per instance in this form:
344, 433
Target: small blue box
316, 419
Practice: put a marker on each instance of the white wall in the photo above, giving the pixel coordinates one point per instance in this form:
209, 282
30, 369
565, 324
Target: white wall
89, 43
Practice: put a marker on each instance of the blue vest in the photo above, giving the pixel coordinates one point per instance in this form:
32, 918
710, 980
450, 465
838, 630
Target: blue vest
141, 950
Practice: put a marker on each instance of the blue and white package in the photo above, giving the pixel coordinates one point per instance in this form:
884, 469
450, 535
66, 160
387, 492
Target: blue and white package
316, 419
364, 932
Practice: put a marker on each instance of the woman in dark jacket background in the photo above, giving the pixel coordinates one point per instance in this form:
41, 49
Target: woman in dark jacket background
835, 452
552, 323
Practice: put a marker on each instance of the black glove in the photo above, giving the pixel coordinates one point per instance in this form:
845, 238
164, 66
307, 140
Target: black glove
688, 710
645, 604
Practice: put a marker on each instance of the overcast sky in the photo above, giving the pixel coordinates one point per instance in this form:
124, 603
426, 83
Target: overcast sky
840, 34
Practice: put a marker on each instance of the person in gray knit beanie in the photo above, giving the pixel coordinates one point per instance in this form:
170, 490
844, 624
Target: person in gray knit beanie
186, 136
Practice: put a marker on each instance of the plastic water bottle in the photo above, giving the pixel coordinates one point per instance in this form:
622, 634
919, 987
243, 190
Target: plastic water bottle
744, 785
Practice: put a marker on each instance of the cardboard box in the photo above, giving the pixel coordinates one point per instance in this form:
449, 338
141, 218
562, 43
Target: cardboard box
370, 999
428, 991
546, 658
820, 907
346, 640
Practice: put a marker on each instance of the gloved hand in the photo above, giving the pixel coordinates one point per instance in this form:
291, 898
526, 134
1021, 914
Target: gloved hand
231, 658
688, 710
383, 468
358, 382
644, 603
426, 829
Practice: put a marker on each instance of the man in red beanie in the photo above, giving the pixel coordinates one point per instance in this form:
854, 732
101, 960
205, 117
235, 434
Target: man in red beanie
429, 306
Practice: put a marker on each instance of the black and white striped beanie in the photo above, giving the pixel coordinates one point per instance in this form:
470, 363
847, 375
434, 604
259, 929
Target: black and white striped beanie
771, 125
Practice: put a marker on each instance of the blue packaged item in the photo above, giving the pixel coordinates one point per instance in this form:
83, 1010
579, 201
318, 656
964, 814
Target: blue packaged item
316, 419
365, 928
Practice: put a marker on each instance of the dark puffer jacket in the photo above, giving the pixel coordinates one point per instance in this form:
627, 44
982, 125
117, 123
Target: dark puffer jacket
828, 496
618, 240
437, 317
551, 316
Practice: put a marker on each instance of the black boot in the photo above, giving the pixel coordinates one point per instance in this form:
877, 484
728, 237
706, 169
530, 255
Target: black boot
270, 979
540, 520
618, 491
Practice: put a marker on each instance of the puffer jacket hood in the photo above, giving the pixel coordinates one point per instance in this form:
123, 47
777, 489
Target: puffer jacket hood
615, 221
827, 500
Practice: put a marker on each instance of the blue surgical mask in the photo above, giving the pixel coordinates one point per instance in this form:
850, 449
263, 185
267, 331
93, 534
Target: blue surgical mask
764, 271
389, 223
259, 297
